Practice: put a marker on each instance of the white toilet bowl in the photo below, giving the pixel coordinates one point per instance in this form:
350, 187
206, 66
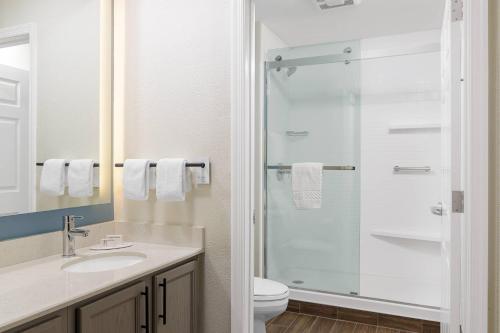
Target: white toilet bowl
270, 300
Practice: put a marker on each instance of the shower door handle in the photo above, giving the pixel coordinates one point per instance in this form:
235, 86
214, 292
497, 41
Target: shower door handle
438, 209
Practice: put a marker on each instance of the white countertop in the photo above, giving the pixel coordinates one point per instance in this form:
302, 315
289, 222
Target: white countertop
33, 289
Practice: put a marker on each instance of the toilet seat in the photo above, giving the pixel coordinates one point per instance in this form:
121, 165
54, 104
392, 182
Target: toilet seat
270, 300
268, 290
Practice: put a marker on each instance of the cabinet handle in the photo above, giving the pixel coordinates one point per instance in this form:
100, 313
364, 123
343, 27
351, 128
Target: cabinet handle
164, 305
146, 294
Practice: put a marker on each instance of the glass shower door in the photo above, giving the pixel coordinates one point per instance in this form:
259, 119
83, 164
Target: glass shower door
313, 115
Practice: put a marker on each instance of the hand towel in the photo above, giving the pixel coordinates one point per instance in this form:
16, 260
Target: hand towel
53, 178
172, 179
306, 185
81, 178
136, 179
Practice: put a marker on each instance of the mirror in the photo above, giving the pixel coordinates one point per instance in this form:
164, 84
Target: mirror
55, 104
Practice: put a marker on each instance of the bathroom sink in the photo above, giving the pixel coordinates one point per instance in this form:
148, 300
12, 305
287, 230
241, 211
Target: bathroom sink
103, 262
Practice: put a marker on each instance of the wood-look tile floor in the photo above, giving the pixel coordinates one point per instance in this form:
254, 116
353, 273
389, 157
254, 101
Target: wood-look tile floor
291, 322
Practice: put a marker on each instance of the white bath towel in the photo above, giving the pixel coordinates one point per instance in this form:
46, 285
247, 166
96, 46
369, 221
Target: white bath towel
307, 184
81, 178
136, 179
53, 178
172, 179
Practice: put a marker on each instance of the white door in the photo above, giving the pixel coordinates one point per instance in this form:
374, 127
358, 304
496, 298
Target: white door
451, 69
15, 168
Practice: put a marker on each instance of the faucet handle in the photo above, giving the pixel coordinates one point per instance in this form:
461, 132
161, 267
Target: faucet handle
73, 219
70, 220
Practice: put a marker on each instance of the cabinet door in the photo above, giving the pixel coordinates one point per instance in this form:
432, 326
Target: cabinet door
176, 300
122, 312
53, 324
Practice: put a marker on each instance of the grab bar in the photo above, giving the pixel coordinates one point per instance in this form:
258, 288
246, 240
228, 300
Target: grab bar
295, 133
326, 167
398, 168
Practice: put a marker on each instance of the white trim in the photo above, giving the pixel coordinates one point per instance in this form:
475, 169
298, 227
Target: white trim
14, 33
241, 168
475, 307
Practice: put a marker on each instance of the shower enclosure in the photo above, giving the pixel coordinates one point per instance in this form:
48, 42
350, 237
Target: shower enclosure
372, 117
313, 115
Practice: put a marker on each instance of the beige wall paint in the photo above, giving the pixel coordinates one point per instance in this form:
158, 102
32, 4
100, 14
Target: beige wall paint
19, 250
173, 100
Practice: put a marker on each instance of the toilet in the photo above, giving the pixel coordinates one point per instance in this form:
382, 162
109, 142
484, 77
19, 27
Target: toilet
270, 300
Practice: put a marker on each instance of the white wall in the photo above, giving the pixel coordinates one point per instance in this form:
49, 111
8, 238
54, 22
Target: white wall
173, 74
17, 56
400, 91
301, 22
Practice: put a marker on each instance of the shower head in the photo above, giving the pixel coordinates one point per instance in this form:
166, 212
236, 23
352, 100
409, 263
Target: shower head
290, 71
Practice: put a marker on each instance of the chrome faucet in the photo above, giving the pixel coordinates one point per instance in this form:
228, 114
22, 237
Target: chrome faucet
69, 234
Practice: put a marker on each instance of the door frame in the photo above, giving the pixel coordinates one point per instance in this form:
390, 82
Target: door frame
242, 166
474, 307
476, 167
13, 33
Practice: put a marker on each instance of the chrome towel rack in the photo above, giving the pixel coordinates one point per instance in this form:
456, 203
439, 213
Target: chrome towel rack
398, 168
153, 165
325, 167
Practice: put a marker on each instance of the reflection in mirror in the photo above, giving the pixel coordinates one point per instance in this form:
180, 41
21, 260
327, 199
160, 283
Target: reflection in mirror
55, 104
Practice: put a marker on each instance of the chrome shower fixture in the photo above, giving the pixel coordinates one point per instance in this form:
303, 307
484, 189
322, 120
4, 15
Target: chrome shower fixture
331, 4
290, 71
278, 58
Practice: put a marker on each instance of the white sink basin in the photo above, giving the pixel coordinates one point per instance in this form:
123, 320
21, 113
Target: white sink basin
103, 262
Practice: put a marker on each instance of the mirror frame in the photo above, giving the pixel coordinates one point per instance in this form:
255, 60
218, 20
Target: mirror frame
34, 223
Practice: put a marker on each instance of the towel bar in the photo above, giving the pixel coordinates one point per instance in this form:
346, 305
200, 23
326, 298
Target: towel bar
325, 167
153, 165
398, 168
96, 165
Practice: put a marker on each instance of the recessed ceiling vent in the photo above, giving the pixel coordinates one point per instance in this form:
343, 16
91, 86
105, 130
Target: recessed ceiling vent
331, 4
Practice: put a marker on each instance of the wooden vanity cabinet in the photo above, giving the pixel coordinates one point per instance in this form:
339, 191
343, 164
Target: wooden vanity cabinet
161, 302
124, 311
54, 323
175, 294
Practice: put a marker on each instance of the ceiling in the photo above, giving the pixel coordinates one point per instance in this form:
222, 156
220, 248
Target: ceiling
300, 22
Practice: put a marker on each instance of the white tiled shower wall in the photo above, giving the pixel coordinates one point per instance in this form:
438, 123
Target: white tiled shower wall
400, 91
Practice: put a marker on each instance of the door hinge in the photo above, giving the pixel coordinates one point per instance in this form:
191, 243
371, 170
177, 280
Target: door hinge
457, 10
457, 201
461, 330
253, 217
